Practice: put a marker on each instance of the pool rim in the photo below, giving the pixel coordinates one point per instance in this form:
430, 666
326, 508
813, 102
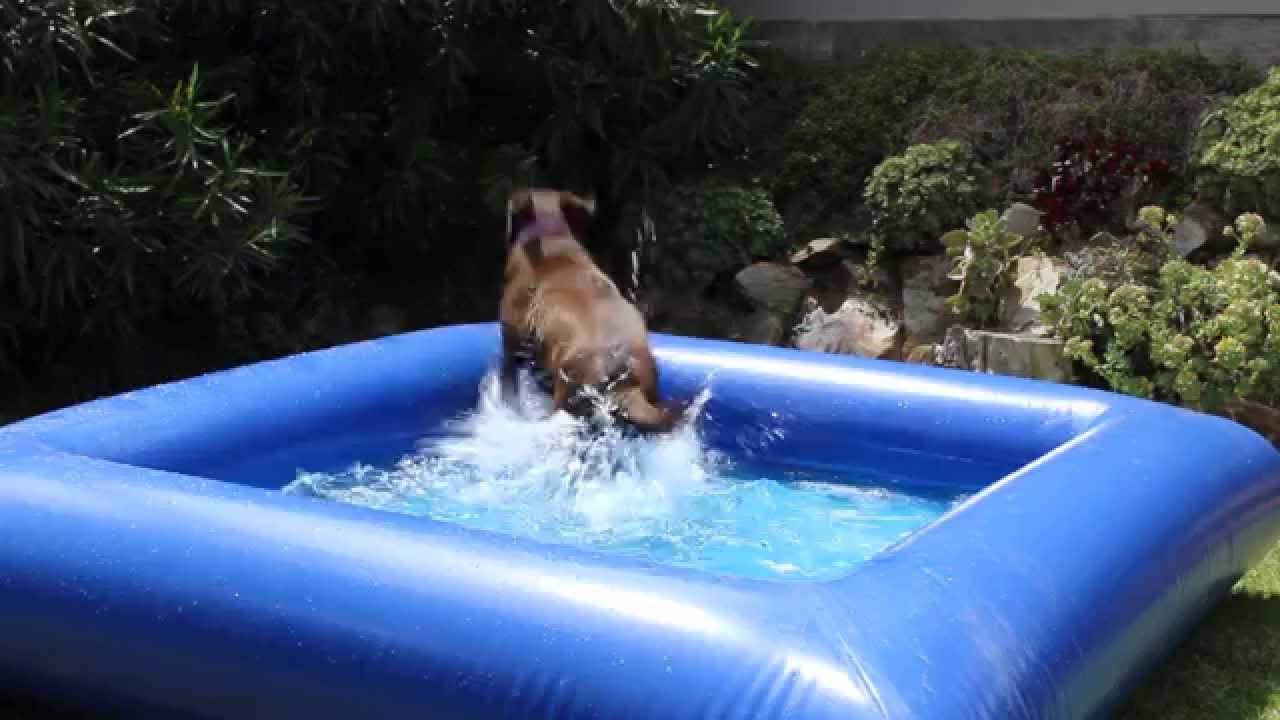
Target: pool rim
1239, 519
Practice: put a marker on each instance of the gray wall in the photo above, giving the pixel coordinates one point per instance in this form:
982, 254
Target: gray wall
840, 29
820, 10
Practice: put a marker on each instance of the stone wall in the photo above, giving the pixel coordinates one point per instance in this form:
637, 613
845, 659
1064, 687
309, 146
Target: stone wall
832, 30
819, 10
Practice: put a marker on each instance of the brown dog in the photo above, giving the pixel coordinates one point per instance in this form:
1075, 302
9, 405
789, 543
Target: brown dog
562, 312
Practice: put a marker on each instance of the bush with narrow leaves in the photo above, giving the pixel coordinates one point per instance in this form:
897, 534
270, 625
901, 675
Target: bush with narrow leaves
172, 173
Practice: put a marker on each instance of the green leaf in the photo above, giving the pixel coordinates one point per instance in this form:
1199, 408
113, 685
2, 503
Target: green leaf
955, 239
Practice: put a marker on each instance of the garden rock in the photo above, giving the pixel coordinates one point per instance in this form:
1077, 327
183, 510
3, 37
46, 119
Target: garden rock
1262, 419
1200, 226
763, 327
997, 353
925, 289
684, 312
1022, 219
1032, 277
773, 286
823, 252
1271, 238
926, 354
830, 286
863, 325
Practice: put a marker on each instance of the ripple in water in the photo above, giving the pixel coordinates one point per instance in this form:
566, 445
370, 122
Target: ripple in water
669, 499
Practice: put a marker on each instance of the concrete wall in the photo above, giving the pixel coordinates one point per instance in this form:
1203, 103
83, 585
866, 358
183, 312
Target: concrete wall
840, 29
822, 10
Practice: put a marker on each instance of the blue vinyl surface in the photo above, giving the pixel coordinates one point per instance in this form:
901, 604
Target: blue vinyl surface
142, 570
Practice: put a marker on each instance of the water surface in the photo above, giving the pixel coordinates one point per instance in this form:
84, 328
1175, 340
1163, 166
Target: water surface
668, 500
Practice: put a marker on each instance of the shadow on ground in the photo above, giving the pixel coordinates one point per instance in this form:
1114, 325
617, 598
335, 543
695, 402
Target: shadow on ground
11, 709
1228, 668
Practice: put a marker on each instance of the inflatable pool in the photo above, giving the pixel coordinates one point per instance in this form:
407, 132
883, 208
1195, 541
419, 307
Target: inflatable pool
144, 569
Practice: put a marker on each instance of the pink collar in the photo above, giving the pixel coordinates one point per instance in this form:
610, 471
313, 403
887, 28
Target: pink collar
542, 227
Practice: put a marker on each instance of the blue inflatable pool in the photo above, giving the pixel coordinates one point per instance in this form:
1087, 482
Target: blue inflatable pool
141, 570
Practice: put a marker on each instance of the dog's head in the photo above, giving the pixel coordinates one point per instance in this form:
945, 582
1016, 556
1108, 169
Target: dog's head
541, 213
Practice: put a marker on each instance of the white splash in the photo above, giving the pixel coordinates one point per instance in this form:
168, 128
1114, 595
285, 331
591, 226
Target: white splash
524, 472
498, 456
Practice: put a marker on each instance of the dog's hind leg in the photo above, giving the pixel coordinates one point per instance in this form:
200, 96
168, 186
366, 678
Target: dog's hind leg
560, 393
646, 416
509, 373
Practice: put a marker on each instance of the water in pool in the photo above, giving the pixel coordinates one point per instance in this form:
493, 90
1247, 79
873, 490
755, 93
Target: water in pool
670, 500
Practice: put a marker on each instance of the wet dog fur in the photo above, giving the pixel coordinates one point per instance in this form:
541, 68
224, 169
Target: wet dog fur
563, 314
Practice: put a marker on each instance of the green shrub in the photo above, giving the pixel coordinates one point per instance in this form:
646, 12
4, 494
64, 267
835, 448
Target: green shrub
712, 227
1238, 152
915, 197
981, 257
1195, 336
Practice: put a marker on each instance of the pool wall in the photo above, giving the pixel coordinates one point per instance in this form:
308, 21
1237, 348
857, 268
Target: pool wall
136, 574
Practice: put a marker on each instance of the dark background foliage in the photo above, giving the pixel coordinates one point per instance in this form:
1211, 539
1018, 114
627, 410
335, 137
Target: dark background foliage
1012, 106
190, 184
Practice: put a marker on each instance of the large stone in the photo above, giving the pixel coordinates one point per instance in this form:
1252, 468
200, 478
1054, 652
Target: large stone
1007, 354
773, 286
1031, 278
925, 289
684, 312
832, 284
763, 327
951, 352
1022, 219
1199, 226
926, 354
688, 313
1262, 419
823, 251
829, 285
863, 325
1271, 238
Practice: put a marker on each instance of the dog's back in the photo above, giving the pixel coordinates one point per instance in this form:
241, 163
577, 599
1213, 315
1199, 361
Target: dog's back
561, 308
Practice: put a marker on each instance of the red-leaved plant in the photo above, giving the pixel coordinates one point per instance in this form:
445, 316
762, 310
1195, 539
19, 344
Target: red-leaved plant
1089, 178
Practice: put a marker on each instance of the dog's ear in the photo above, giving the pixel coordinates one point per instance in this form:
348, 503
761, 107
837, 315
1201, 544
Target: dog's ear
520, 212
578, 213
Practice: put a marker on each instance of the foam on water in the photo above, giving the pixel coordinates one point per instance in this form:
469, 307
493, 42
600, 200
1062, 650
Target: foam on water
555, 479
